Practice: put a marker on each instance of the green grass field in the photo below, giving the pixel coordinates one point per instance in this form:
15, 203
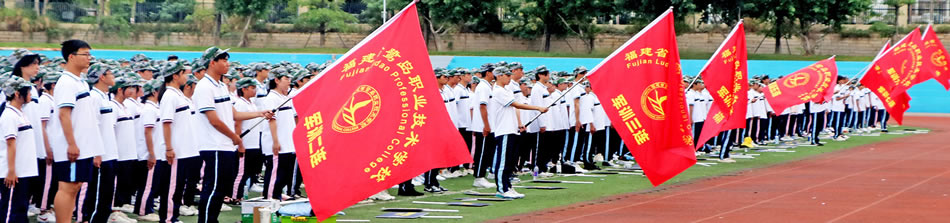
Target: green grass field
602, 187
683, 54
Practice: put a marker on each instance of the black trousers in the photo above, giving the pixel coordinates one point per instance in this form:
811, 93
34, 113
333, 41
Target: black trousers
98, 193
504, 161
818, 121
217, 182
468, 137
43, 188
248, 168
547, 149
484, 150
598, 145
579, 144
527, 144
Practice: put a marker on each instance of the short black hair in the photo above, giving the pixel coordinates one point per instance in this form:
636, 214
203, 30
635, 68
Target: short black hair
171, 57
72, 46
538, 76
224, 55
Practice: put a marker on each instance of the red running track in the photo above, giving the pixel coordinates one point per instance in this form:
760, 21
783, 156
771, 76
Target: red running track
903, 180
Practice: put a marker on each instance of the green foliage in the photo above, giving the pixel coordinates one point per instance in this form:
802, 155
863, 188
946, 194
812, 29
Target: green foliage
176, 10
647, 10
117, 25
882, 29
201, 21
324, 19
854, 33
252, 8
942, 29
24, 20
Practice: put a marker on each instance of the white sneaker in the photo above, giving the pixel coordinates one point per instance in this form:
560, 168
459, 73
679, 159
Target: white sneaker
599, 158
47, 216
127, 218
439, 177
577, 168
507, 195
520, 195
545, 174
149, 217
418, 180
185, 211
786, 138
225, 207
489, 174
382, 196
33, 211
193, 208
116, 218
482, 183
841, 138
257, 188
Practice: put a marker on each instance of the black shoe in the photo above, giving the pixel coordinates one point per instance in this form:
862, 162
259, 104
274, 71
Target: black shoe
883, 130
434, 189
409, 191
591, 166
818, 144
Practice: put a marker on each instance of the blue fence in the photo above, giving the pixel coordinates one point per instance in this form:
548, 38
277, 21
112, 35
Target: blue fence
928, 97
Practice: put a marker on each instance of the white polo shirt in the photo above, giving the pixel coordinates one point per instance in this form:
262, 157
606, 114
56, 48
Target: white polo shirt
39, 111
448, 98
14, 125
482, 95
134, 108
587, 109
285, 121
72, 92
175, 109
501, 114
876, 102
463, 106
150, 118
600, 116
253, 138
537, 98
107, 120
759, 107
212, 95
842, 91
698, 101
125, 138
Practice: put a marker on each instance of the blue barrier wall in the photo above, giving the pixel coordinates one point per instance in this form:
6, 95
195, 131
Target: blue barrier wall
928, 97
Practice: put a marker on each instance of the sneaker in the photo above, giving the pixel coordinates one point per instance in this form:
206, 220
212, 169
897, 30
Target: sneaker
787, 138
367, 201
127, 208
489, 174
47, 216
440, 178
481, 182
225, 207
840, 138
460, 173
515, 180
185, 211
193, 208
150, 217
411, 192
507, 195
33, 211
434, 189
258, 188
512, 190
115, 218
382, 196
577, 168
599, 157
418, 180
442, 189
545, 174
469, 171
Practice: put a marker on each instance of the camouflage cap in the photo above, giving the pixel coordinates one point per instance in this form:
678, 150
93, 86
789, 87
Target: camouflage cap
515, 66
13, 84
153, 85
210, 54
542, 70
52, 77
501, 71
245, 82
96, 71
171, 68
580, 69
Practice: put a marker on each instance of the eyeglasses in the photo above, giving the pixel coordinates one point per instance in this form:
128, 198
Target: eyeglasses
83, 54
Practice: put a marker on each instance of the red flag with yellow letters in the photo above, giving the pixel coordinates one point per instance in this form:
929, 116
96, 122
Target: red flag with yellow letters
373, 119
726, 78
901, 66
643, 82
811, 83
935, 57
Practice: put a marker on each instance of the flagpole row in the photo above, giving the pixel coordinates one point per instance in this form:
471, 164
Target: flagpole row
556, 100
262, 120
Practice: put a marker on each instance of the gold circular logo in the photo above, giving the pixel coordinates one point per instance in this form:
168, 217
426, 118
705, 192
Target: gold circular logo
354, 116
938, 59
651, 101
796, 80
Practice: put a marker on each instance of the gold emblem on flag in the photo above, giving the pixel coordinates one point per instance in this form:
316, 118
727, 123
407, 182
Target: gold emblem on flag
796, 80
651, 101
938, 59
353, 116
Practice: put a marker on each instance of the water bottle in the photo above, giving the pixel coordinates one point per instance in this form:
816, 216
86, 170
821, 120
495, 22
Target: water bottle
534, 173
558, 167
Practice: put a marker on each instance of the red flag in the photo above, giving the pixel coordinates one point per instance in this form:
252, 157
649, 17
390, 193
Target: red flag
726, 77
373, 119
935, 57
811, 83
643, 82
896, 103
901, 65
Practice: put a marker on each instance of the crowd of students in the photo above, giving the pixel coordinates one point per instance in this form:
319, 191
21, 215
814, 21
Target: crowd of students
99, 139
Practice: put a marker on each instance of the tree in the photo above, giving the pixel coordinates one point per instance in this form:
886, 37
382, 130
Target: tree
897, 4
549, 18
250, 9
647, 10
322, 16
438, 17
826, 12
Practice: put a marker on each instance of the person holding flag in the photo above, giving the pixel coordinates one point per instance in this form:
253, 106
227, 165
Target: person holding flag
502, 107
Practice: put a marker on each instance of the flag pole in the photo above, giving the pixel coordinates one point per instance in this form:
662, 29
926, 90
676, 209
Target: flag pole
558, 99
262, 120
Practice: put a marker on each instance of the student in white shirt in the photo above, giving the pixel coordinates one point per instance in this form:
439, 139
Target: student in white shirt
464, 107
698, 108
17, 157
47, 183
97, 207
560, 120
502, 105
543, 152
250, 165
74, 130
283, 161
586, 117
28, 68
484, 140
125, 88
181, 154
838, 107
155, 146
213, 99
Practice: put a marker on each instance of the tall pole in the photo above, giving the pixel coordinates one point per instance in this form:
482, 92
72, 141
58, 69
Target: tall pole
384, 11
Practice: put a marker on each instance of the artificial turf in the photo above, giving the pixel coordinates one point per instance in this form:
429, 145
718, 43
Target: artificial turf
602, 187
